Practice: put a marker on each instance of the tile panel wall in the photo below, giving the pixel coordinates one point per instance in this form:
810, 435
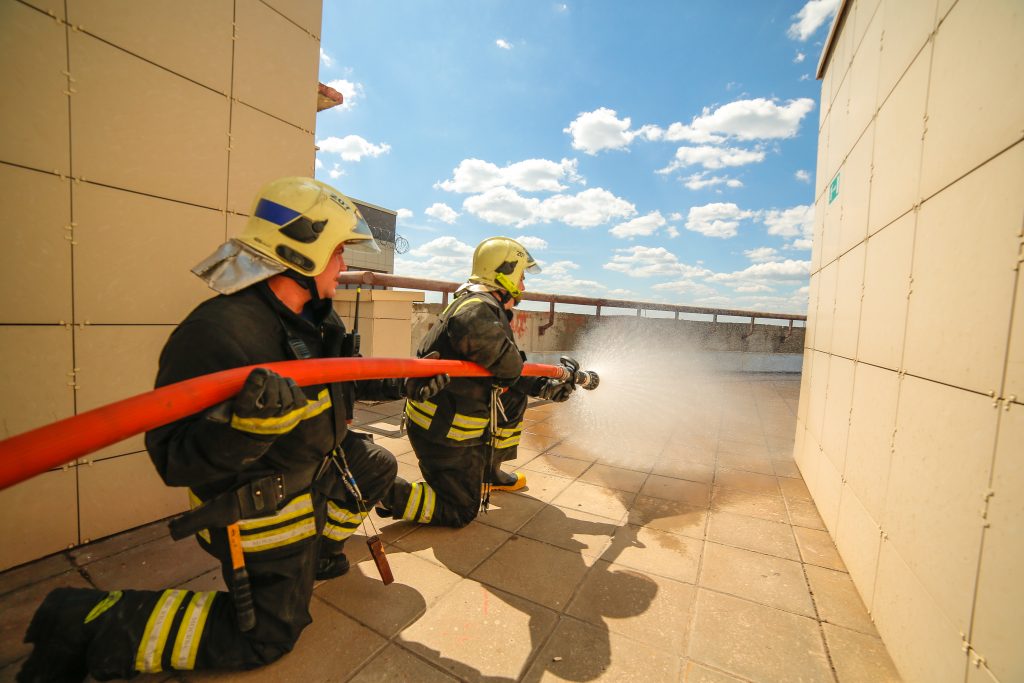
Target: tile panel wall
909, 428
127, 150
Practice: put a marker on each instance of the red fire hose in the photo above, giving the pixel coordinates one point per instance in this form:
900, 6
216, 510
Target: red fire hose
31, 453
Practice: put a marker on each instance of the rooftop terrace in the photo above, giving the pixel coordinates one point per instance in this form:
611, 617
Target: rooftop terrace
707, 562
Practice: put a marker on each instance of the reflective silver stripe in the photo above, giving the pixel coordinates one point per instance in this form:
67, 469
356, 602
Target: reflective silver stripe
428, 504
415, 495
417, 417
190, 632
341, 523
299, 506
154, 638
468, 421
425, 407
275, 538
283, 423
461, 434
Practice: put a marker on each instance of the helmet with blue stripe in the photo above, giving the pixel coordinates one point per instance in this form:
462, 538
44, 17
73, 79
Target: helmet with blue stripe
299, 222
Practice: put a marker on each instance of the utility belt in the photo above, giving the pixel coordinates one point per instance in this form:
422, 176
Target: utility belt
257, 498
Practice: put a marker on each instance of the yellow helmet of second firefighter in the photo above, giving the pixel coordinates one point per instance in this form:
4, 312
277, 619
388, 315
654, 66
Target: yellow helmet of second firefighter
500, 262
299, 222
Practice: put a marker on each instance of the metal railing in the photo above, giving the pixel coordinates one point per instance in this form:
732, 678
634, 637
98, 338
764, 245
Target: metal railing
366, 277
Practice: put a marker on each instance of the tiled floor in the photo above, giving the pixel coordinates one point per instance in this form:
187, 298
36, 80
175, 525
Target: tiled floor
700, 558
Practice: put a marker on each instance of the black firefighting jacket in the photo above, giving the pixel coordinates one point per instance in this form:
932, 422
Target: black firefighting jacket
474, 327
213, 451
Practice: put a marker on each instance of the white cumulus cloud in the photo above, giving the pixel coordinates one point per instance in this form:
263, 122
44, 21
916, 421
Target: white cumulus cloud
774, 271
442, 212
352, 147
713, 157
761, 254
326, 59
443, 258
602, 129
586, 209
530, 175
810, 17
795, 222
803, 176
533, 243
753, 119
639, 227
719, 219
404, 213
503, 44
800, 56
699, 181
651, 262
801, 244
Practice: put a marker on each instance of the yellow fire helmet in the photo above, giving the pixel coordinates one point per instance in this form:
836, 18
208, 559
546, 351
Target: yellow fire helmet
499, 262
299, 222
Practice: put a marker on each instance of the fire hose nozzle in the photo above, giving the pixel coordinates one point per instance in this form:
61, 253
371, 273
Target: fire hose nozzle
571, 372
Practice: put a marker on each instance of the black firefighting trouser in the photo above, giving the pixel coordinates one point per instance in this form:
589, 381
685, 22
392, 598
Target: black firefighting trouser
450, 493
151, 631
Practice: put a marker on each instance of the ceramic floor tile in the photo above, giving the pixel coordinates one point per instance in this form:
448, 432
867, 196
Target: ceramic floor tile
669, 515
578, 651
747, 481
754, 446
649, 608
547, 428
596, 500
757, 642
752, 533
680, 490
816, 547
838, 601
576, 449
152, 566
697, 673
361, 595
306, 662
557, 465
539, 486
97, 550
669, 466
398, 664
772, 508
656, 552
803, 513
477, 632
397, 446
859, 658
765, 579
573, 530
537, 442
34, 572
750, 463
614, 477
460, 550
786, 468
533, 570
523, 456
794, 489
212, 580
509, 511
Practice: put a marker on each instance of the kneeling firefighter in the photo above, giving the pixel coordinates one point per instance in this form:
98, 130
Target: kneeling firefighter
276, 479
467, 429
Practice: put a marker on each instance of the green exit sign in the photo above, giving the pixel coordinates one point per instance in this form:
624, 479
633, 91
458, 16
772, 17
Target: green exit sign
833, 189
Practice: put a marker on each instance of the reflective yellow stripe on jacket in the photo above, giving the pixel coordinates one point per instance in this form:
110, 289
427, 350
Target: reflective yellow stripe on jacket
466, 427
341, 523
283, 423
420, 412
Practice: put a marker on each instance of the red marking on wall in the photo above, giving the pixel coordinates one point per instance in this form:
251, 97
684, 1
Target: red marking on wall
518, 324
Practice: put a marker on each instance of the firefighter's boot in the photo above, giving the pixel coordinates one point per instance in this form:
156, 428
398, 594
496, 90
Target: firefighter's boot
61, 631
332, 566
507, 481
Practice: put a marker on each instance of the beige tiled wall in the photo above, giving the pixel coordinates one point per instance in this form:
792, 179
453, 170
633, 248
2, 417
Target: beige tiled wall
911, 418
136, 135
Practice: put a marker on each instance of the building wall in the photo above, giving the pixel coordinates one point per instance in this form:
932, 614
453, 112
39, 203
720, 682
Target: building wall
135, 136
910, 428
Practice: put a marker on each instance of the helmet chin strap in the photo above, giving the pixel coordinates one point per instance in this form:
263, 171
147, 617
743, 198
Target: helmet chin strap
317, 306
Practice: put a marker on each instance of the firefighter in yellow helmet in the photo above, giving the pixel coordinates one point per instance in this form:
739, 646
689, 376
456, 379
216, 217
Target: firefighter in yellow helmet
461, 434
275, 467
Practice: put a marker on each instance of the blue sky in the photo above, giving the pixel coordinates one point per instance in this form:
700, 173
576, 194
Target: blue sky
660, 151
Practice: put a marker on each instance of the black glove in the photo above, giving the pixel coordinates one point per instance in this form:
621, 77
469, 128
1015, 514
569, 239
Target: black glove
555, 390
267, 394
422, 388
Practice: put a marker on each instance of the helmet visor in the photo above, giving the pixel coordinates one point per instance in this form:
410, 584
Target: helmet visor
362, 237
532, 266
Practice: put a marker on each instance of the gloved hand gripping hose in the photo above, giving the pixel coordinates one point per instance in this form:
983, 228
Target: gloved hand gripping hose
586, 379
